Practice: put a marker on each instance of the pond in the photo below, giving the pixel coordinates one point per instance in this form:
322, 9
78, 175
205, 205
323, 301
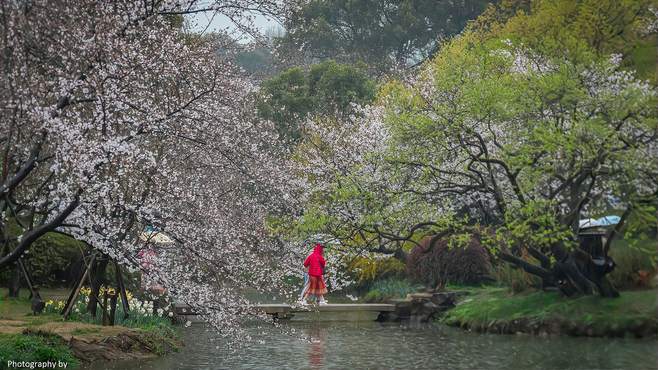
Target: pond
372, 345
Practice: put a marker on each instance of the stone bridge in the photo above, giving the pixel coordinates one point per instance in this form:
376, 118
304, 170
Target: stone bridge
420, 307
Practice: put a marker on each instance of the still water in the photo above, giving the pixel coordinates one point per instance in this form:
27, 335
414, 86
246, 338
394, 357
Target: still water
371, 345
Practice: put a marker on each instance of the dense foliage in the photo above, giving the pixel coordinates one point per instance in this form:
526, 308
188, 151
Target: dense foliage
326, 89
498, 130
114, 119
383, 34
437, 261
368, 270
54, 259
575, 30
386, 289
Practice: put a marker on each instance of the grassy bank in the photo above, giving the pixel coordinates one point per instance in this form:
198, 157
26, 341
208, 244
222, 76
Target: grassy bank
634, 313
28, 337
35, 347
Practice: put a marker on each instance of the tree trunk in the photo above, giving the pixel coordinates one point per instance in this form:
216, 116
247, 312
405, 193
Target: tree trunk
576, 272
106, 318
15, 282
113, 308
98, 278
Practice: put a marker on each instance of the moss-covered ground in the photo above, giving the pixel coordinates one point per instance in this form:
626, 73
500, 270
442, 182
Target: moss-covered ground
493, 309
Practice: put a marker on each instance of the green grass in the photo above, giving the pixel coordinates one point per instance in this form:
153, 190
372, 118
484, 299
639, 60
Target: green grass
486, 307
134, 320
34, 346
83, 331
158, 332
13, 308
162, 339
20, 309
383, 290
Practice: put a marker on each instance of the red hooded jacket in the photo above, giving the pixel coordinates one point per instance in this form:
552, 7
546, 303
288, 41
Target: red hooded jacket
315, 262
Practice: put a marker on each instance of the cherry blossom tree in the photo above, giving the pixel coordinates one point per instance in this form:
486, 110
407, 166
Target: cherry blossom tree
114, 119
496, 139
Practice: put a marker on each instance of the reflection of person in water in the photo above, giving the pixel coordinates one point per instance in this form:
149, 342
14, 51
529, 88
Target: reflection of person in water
316, 347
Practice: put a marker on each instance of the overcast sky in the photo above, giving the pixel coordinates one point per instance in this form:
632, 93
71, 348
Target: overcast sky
205, 21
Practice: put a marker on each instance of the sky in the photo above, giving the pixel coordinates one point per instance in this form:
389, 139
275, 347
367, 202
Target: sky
205, 22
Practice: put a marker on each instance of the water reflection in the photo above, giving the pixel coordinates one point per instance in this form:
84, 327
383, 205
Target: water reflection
316, 349
369, 345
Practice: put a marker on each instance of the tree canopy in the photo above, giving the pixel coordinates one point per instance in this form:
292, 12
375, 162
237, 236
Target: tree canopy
498, 138
578, 30
326, 89
382, 34
509, 129
114, 121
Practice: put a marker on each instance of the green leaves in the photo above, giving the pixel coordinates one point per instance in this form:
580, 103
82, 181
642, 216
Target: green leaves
327, 89
537, 224
381, 33
285, 100
502, 134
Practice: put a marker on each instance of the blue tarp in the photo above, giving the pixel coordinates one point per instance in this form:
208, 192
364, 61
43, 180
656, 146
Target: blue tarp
603, 221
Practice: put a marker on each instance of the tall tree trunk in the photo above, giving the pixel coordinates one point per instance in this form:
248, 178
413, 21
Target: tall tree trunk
98, 279
575, 273
15, 282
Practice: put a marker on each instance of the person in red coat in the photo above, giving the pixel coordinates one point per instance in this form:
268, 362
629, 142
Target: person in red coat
315, 264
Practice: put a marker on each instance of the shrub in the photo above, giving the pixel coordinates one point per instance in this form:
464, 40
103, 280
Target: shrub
515, 278
636, 264
445, 262
51, 260
141, 313
383, 290
368, 270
